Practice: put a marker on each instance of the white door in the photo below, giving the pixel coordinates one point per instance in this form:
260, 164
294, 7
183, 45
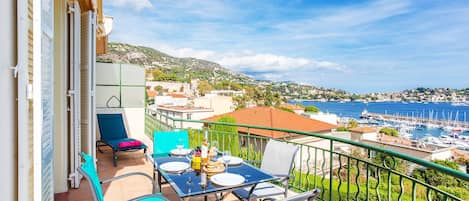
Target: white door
74, 94
88, 71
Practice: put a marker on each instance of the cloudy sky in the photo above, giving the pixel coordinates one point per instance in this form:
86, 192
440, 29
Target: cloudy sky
359, 46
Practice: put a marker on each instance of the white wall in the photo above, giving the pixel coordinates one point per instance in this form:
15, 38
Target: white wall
219, 104
60, 98
8, 104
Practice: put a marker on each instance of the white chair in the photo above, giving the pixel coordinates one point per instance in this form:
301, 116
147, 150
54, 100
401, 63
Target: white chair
306, 196
277, 160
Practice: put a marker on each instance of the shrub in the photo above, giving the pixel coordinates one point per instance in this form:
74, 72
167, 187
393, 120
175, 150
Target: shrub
311, 109
342, 129
389, 131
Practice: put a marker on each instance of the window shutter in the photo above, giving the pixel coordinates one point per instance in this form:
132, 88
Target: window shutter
88, 66
74, 93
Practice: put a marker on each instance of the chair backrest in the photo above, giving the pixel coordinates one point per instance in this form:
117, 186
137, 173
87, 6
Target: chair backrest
306, 196
165, 141
88, 170
111, 127
278, 157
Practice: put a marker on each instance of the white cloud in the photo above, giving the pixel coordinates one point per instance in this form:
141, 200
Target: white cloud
249, 61
138, 5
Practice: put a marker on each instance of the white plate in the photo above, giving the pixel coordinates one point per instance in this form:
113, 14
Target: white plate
174, 167
227, 179
233, 160
180, 152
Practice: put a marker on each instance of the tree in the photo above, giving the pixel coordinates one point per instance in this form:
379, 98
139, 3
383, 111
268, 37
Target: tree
352, 124
157, 74
268, 97
311, 108
389, 131
158, 88
204, 87
437, 178
227, 136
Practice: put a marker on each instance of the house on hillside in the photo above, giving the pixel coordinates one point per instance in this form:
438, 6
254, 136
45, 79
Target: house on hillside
277, 118
369, 135
219, 104
182, 112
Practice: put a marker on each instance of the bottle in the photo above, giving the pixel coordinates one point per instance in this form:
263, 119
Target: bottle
204, 149
203, 179
196, 160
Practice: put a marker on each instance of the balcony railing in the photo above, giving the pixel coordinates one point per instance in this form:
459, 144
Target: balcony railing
343, 169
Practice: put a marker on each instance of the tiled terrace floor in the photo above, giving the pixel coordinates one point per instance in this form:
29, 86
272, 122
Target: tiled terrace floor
129, 187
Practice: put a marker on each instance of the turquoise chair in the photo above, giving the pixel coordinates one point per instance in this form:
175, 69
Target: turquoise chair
165, 141
88, 170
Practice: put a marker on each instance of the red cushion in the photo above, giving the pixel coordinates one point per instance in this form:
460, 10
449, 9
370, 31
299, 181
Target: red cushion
128, 144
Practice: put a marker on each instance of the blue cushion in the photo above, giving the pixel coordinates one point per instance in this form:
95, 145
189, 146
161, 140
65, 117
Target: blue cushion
165, 141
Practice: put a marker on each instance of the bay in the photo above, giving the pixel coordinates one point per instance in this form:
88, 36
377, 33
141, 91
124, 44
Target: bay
442, 111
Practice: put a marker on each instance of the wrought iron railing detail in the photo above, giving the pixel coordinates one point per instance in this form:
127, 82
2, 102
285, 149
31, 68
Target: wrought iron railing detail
353, 174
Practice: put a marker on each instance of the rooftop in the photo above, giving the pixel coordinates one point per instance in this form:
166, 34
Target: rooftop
184, 108
362, 130
291, 106
275, 118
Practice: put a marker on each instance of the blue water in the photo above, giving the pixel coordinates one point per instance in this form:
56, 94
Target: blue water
436, 110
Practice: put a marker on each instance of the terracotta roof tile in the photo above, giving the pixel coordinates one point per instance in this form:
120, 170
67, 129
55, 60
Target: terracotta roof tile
174, 95
275, 118
151, 93
291, 106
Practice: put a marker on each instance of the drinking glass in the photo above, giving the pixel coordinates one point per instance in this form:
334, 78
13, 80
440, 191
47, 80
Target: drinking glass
226, 159
215, 145
179, 145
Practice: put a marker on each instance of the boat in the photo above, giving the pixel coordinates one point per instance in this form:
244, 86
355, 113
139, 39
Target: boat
460, 104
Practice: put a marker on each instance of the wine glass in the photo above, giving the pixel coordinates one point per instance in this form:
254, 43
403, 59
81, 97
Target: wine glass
226, 159
179, 145
214, 144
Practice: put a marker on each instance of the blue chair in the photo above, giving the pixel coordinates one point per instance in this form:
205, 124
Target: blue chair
165, 141
88, 170
113, 132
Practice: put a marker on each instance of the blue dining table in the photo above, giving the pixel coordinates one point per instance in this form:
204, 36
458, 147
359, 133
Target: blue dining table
187, 183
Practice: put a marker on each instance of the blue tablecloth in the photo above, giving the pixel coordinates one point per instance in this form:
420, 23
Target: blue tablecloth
184, 189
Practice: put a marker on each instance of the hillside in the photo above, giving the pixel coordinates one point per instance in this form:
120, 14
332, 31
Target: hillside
190, 68
182, 67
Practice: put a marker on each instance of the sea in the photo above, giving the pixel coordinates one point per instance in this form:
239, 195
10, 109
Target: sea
442, 111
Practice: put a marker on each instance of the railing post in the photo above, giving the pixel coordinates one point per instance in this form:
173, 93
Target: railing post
331, 164
249, 144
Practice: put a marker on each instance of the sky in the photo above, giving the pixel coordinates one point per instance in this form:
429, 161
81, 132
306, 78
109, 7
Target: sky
358, 46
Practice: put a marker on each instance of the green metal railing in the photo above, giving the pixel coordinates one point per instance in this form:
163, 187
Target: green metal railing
343, 169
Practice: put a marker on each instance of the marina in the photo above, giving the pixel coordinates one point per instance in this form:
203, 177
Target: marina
441, 124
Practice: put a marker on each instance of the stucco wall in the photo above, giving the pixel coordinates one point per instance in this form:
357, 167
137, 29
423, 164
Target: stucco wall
8, 117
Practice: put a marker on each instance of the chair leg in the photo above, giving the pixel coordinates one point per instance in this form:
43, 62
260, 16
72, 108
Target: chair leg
98, 147
114, 157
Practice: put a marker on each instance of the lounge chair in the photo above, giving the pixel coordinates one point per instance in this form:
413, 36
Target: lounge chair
113, 132
277, 160
88, 170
